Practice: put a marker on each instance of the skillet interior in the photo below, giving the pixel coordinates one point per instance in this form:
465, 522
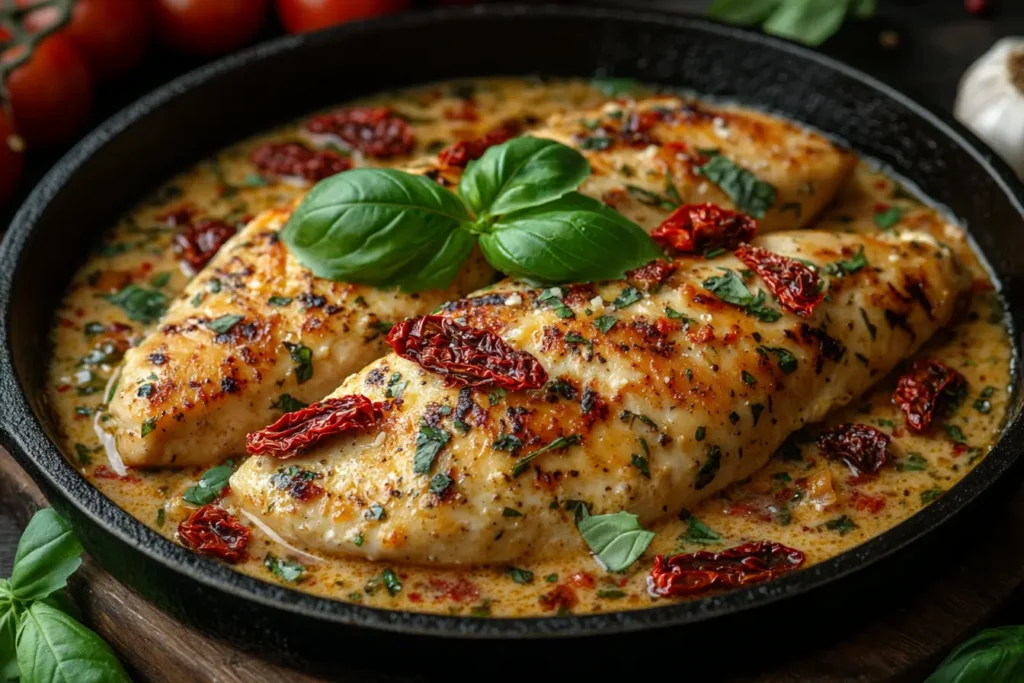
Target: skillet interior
184, 121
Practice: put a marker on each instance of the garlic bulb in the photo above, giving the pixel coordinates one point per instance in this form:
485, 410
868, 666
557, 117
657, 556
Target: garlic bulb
990, 100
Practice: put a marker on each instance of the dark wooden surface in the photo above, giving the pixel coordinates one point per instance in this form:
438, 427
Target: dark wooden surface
920, 46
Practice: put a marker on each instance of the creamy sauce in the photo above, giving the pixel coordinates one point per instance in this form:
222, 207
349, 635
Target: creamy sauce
800, 499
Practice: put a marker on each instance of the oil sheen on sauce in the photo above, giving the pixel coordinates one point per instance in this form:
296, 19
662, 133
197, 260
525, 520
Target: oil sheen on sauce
799, 499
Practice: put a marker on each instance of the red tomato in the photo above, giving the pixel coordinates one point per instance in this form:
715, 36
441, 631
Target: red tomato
50, 93
10, 156
302, 16
110, 34
208, 26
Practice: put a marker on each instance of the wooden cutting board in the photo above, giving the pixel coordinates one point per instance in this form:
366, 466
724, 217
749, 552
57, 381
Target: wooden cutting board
977, 580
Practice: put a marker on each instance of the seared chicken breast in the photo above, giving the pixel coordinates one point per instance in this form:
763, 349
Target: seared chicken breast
228, 356
659, 394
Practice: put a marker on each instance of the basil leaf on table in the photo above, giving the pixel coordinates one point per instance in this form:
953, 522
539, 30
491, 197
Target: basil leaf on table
617, 540
572, 239
54, 647
742, 12
376, 227
809, 21
48, 553
519, 174
995, 654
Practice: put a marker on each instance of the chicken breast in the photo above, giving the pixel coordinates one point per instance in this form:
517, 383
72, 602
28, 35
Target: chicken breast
189, 392
252, 334
659, 394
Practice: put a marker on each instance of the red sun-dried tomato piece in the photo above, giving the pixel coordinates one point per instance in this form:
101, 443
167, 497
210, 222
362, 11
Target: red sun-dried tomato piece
652, 274
923, 390
863, 448
797, 287
465, 355
293, 159
374, 131
309, 425
198, 242
692, 573
459, 154
211, 530
696, 228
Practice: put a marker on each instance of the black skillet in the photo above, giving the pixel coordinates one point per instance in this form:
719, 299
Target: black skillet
193, 116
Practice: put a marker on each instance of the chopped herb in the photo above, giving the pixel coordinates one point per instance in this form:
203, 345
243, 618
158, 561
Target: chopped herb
91, 329
734, 417
148, 426
161, 517
787, 361
511, 512
888, 218
288, 403
375, 513
302, 356
698, 532
283, 569
146, 390
358, 540
254, 180
440, 483
629, 296
481, 610
560, 442
915, 462
507, 442
160, 279
930, 495
714, 253
629, 416
755, 411
396, 385
141, 305
673, 314
641, 462
841, 525
391, 582
651, 198
982, 404
955, 434
523, 576
495, 396
729, 288
604, 323
872, 330
213, 285
84, 411
550, 298
210, 485
594, 143
551, 578
699, 434
748, 379
429, 443
849, 266
224, 323
83, 453
611, 593
382, 326
751, 195
707, 472
279, 300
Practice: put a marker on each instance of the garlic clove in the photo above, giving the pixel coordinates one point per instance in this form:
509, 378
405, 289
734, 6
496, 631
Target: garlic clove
990, 100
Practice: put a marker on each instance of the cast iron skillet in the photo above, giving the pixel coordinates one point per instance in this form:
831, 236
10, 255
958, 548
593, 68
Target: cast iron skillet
191, 117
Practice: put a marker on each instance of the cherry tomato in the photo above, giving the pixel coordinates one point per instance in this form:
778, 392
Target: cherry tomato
50, 93
10, 156
302, 16
208, 26
110, 34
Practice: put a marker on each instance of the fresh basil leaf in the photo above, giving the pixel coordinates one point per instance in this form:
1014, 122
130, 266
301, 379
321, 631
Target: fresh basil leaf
617, 540
8, 634
224, 323
286, 570
742, 12
439, 269
751, 195
808, 21
379, 227
210, 485
521, 173
52, 646
429, 443
995, 654
573, 239
140, 305
48, 553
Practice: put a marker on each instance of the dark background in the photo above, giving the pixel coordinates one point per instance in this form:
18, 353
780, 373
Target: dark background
920, 46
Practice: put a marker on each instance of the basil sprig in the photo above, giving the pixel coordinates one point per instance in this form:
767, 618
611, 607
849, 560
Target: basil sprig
617, 540
388, 228
996, 654
39, 641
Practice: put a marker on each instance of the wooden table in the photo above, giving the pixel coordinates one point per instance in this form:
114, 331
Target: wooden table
935, 41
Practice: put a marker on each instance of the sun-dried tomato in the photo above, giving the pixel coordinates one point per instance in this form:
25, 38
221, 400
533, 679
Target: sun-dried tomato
295, 160
922, 391
863, 448
652, 274
745, 564
636, 131
211, 530
465, 355
459, 154
797, 287
696, 228
198, 242
374, 131
307, 426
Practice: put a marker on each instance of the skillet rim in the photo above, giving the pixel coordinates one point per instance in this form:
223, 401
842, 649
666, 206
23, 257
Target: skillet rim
23, 435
